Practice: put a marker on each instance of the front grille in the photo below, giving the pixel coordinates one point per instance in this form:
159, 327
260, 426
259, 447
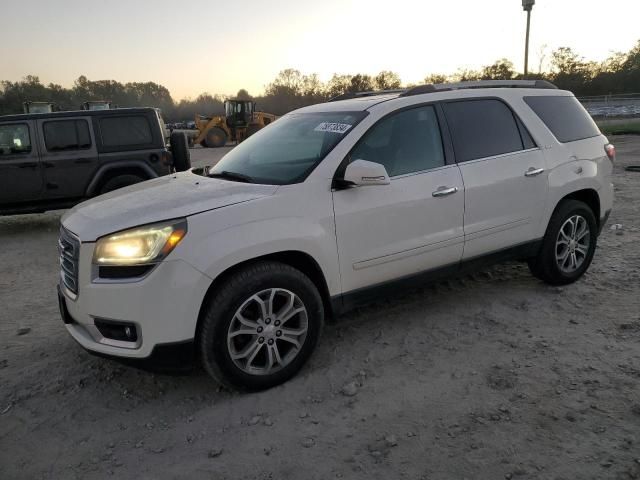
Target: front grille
69, 250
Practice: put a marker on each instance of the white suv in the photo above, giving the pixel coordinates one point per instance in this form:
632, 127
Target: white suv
331, 206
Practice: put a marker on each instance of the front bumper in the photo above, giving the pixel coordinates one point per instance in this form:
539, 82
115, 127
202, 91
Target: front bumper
164, 307
170, 357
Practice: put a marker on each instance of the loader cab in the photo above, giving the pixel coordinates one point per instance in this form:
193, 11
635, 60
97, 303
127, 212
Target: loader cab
238, 113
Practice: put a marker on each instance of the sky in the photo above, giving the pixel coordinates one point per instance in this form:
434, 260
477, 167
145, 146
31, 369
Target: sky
219, 47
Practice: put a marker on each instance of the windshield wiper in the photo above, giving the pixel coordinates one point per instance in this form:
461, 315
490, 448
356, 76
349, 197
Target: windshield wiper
233, 176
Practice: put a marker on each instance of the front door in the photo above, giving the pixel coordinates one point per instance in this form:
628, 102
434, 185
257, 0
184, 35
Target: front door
503, 172
69, 156
20, 172
385, 232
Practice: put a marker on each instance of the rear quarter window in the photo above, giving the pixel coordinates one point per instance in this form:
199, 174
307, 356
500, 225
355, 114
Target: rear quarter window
564, 116
125, 131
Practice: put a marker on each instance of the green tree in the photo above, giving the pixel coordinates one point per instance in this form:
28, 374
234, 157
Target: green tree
338, 85
243, 95
500, 70
361, 83
387, 80
435, 78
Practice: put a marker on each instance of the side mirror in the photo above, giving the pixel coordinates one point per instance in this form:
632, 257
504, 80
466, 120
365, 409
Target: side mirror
361, 172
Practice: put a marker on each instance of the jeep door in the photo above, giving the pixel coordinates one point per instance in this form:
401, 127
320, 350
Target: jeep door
69, 156
20, 172
414, 224
503, 172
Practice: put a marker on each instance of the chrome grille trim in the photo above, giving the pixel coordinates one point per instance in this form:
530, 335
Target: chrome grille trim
69, 252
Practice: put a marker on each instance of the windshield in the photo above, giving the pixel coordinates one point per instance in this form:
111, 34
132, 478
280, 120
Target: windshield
289, 149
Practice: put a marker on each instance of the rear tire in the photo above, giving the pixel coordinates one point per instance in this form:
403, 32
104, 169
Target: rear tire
216, 137
271, 343
568, 245
119, 182
180, 151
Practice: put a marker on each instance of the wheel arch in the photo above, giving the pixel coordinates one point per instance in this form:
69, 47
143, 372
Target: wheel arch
109, 171
297, 259
586, 195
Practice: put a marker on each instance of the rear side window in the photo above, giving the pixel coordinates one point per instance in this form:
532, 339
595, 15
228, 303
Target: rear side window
125, 131
14, 139
65, 135
482, 128
564, 116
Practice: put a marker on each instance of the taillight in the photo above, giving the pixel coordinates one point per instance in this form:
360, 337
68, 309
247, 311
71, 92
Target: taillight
610, 150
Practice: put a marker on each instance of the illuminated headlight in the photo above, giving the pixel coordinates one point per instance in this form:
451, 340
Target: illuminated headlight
140, 245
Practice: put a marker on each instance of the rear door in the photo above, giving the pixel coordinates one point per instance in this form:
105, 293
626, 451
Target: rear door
503, 172
20, 172
69, 156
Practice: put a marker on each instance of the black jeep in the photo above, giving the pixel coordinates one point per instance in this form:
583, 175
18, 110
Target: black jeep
54, 160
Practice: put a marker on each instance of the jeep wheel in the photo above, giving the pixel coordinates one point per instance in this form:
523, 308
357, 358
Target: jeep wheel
180, 151
568, 244
119, 182
261, 326
216, 137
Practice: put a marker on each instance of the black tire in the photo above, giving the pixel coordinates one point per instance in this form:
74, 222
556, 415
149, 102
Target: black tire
216, 137
253, 128
119, 182
219, 313
180, 151
545, 266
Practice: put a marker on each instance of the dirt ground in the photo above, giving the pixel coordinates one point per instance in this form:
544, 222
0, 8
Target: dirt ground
486, 377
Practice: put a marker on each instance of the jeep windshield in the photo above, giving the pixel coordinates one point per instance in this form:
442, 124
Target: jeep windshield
287, 150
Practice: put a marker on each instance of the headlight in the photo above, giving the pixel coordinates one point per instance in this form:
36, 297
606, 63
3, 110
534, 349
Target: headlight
141, 245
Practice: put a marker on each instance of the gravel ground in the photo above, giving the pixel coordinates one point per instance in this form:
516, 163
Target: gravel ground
491, 376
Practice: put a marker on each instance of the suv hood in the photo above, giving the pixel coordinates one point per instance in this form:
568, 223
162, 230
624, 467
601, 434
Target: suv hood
164, 198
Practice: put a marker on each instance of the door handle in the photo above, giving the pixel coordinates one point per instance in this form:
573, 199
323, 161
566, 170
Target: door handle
28, 165
532, 172
83, 160
444, 191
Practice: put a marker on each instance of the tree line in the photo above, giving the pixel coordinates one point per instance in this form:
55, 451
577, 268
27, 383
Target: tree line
291, 89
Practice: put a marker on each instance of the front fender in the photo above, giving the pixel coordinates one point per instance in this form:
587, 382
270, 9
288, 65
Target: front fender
217, 241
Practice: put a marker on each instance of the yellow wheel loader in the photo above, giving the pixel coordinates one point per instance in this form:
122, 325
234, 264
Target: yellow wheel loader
240, 121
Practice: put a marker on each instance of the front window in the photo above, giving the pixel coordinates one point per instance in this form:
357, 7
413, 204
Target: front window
14, 139
288, 149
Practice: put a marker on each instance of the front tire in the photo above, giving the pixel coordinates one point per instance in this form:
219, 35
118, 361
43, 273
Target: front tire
215, 138
253, 128
568, 245
260, 327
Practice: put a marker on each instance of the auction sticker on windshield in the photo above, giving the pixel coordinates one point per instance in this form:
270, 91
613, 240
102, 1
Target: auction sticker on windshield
333, 127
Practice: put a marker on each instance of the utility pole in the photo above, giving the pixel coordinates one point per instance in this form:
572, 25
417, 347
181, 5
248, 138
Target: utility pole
527, 6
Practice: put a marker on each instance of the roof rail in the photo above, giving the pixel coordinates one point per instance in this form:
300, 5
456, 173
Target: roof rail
348, 95
443, 87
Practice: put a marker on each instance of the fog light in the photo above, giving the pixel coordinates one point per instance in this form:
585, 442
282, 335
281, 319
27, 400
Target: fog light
114, 330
